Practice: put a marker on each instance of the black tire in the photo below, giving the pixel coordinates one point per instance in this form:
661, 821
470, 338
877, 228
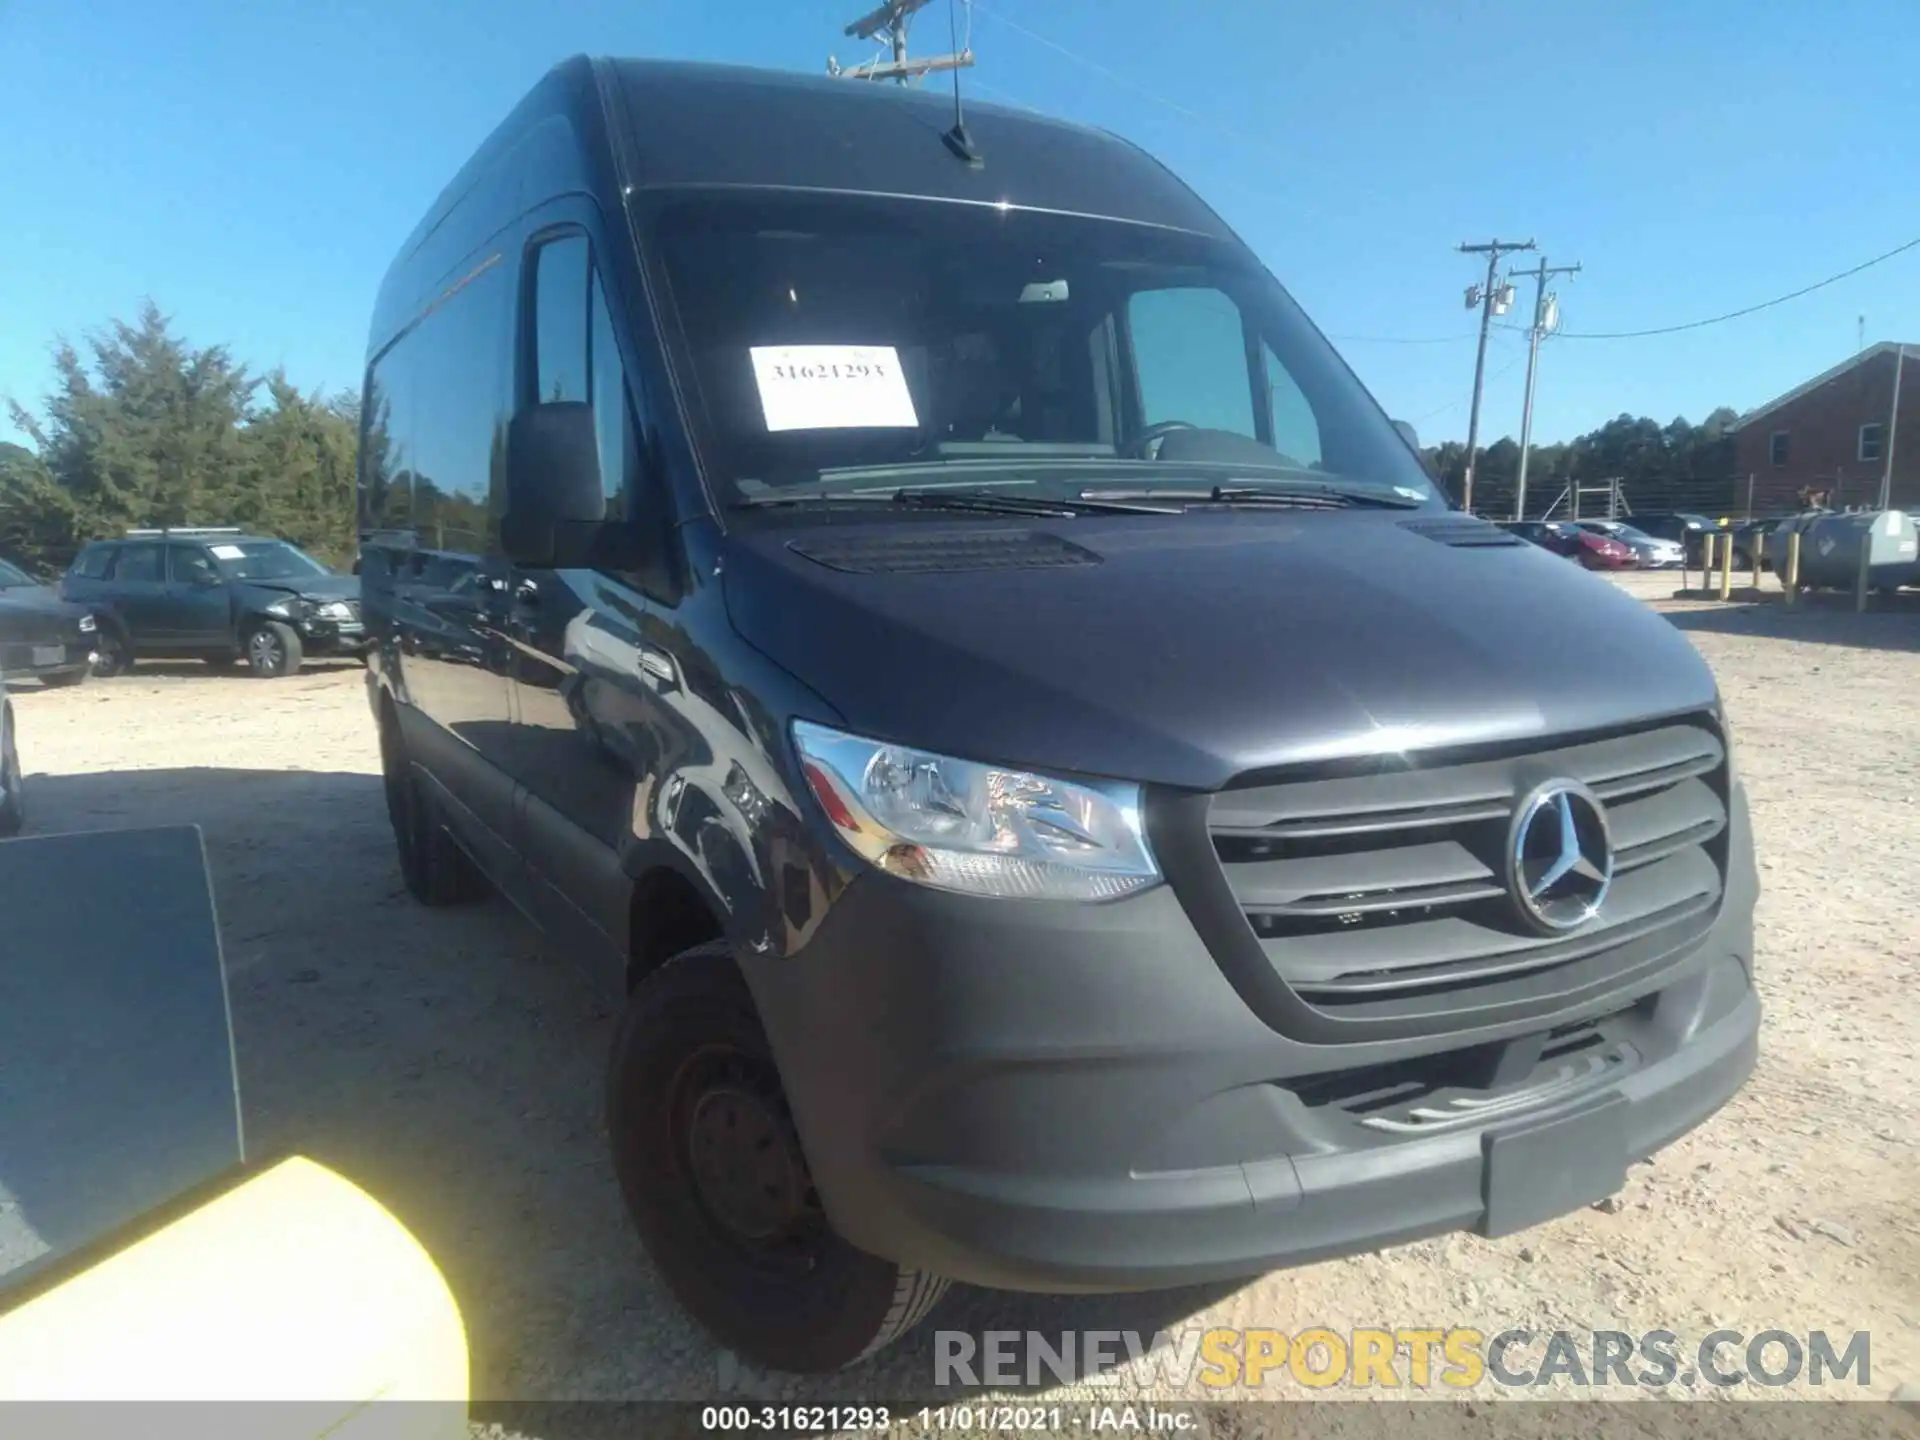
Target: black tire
13, 808
273, 650
691, 1071
64, 680
113, 651
436, 870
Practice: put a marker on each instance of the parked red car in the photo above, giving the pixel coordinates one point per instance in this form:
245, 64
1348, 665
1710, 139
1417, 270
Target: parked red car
1596, 552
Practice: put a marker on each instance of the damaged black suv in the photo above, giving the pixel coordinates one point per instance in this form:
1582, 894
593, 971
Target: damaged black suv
218, 595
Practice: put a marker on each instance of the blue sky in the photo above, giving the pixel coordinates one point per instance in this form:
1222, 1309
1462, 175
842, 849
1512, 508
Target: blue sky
253, 167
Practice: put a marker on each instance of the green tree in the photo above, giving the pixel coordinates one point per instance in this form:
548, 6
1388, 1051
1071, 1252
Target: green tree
1670, 466
297, 472
37, 521
146, 429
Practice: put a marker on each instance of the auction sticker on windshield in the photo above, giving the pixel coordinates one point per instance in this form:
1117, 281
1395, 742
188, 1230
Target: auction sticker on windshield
832, 387
229, 552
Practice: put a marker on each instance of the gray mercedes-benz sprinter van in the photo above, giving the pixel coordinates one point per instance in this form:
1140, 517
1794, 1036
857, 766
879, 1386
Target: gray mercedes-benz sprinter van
1075, 807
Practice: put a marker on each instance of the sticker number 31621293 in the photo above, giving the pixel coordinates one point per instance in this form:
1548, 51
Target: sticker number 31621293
832, 387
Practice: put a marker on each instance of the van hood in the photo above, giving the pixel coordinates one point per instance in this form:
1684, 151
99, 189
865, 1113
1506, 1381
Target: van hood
1189, 650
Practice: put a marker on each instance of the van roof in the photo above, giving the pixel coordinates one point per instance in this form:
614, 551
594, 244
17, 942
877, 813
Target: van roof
681, 124
701, 124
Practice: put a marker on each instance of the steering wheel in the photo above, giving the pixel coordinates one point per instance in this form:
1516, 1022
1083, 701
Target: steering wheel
1156, 432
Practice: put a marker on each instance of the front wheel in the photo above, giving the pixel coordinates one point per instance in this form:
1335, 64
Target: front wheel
273, 650
715, 1179
63, 680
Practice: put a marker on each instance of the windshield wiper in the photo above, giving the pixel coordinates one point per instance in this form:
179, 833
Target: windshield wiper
978, 501
1297, 495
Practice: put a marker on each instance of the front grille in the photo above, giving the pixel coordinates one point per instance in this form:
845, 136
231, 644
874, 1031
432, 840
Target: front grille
1384, 894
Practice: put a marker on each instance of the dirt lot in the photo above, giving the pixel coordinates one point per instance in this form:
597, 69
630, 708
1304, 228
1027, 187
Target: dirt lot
448, 1064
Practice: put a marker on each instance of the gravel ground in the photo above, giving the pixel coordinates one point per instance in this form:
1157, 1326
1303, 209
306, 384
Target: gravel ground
452, 1067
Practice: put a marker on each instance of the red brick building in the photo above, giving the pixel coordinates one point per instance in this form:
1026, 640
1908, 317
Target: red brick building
1833, 434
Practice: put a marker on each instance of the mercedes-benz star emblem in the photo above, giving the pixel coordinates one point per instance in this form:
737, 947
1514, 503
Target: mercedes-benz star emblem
1559, 856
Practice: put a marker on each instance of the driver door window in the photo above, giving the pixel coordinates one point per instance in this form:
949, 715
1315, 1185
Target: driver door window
1190, 359
192, 566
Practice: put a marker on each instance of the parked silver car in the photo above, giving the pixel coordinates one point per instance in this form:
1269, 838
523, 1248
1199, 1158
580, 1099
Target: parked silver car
1651, 551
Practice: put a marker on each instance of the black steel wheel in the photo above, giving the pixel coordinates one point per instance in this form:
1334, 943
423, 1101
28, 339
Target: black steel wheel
716, 1180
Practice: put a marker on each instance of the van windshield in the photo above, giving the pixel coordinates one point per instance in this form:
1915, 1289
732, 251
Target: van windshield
836, 342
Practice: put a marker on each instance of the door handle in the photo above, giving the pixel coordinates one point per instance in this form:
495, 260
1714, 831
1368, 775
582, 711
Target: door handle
526, 593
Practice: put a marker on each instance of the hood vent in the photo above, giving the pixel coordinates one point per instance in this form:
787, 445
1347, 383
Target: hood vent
1462, 532
948, 553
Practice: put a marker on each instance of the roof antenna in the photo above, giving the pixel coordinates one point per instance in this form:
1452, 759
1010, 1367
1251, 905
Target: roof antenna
957, 139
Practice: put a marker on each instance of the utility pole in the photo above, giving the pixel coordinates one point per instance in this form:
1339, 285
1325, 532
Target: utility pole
1542, 323
1493, 250
891, 20
1893, 428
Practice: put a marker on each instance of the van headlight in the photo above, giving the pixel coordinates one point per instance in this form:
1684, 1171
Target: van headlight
979, 829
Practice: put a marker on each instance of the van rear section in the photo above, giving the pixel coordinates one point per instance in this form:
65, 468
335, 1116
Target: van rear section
1075, 807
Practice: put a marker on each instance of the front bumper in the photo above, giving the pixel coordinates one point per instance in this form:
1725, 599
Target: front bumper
333, 637
1053, 1097
55, 656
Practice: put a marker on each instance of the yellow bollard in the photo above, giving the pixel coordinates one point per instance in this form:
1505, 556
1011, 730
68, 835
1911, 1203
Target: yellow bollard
1792, 585
1726, 567
1708, 542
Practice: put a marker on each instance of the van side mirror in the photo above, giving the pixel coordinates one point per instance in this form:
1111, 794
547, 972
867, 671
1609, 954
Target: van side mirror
1408, 434
555, 501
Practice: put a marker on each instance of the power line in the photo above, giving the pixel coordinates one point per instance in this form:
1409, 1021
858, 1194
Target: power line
1409, 339
1456, 404
1112, 75
1189, 113
1638, 334
1264, 145
1748, 310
